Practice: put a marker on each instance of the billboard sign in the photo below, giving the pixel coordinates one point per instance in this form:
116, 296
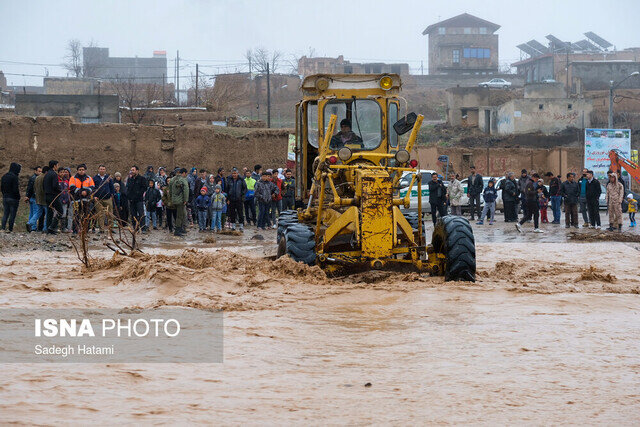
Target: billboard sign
598, 143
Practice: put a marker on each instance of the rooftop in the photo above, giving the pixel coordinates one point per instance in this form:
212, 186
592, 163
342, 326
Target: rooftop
463, 20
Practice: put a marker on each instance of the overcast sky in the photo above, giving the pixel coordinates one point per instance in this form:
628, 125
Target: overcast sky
216, 33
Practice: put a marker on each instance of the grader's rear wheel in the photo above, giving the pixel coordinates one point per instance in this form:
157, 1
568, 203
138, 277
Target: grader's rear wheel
453, 237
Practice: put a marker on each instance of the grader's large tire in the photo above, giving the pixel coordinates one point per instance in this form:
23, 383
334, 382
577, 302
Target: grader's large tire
298, 241
453, 236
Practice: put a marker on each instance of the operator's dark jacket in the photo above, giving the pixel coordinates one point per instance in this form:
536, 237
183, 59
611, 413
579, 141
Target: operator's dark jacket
136, 186
236, 188
475, 186
10, 184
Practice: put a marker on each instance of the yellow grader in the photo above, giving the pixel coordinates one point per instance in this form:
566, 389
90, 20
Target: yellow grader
348, 182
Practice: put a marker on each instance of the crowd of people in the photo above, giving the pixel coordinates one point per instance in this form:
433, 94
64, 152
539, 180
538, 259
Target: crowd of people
63, 201
530, 195
59, 200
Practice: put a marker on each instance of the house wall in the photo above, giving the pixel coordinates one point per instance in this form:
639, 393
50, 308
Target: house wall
497, 161
544, 90
526, 115
441, 48
104, 107
32, 141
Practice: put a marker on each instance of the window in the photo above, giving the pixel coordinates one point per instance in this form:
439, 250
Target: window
482, 30
477, 53
540, 106
396, 69
467, 30
348, 69
442, 30
393, 117
312, 123
456, 56
320, 64
365, 116
569, 107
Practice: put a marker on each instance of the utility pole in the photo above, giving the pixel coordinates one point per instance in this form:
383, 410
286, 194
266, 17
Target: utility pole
567, 84
196, 85
163, 89
268, 97
178, 77
249, 67
421, 68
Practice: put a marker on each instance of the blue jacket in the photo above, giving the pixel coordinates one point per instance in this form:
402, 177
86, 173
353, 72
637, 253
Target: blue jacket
203, 202
105, 191
490, 194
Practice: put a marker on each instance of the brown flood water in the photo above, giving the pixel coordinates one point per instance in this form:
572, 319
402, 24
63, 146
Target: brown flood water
553, 339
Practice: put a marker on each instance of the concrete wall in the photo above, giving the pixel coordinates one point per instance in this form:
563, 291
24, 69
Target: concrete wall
446, 81
596, 75
543, 115
544, 90
104, 107
36, 141
496, 161
69, 86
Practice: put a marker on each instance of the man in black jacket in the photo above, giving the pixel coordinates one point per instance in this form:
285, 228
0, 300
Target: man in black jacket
136, 186
475, 185
10, 186
510, 198
437, 197
570, 190
236, 189
531, 198
102, 196
593, 200
30, 196
52, 196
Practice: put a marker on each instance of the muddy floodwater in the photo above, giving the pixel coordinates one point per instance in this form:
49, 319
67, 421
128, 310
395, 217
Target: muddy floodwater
549, 334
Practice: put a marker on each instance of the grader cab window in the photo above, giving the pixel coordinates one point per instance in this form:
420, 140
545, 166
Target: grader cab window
364, 116
312, 123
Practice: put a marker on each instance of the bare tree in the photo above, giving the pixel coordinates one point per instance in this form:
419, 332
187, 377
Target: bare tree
73, 58
261, 57
228, 89
135, 97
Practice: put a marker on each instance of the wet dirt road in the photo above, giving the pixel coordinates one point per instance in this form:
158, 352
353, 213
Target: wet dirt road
548, 334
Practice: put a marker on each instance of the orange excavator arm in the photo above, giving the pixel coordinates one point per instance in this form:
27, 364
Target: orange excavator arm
618, 161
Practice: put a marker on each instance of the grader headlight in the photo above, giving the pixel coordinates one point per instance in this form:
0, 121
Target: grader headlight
386, 82
344, 153
402, 156
322, 84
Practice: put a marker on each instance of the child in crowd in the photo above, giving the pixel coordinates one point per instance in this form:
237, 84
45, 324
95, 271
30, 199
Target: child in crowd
202, 205
633, 208
151, 198
490, 194
218, 203
543, 203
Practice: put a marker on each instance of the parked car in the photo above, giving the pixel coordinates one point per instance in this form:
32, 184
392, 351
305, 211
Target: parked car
485, 181
548, 80
405, 180
496, 83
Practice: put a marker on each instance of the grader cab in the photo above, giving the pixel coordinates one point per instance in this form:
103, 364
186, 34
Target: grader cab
349, 184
